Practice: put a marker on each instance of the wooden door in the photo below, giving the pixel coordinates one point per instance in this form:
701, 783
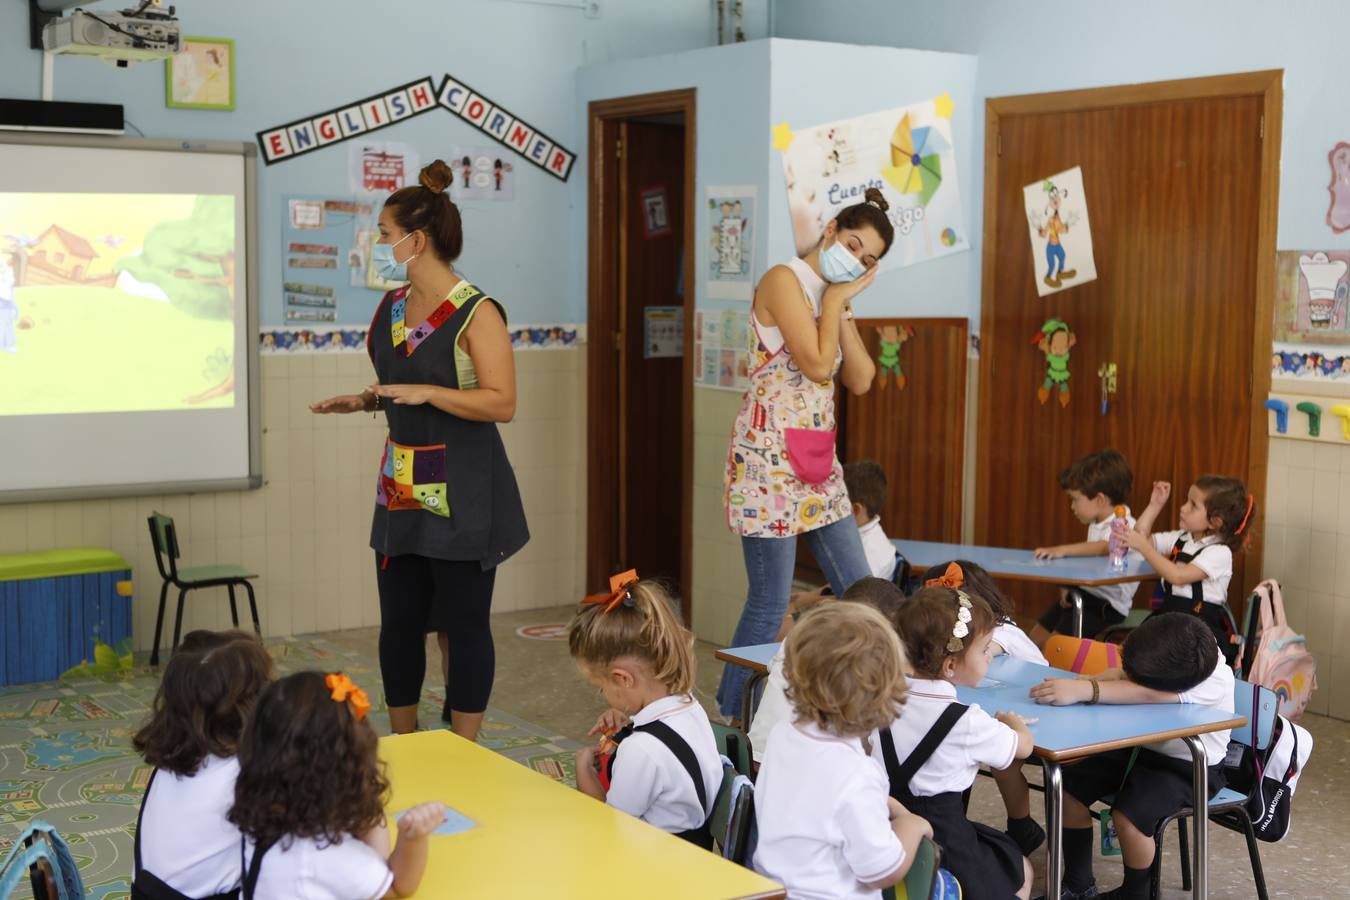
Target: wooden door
651, 388
1178, 210
915, 430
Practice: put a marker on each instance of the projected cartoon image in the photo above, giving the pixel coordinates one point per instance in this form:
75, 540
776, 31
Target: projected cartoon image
116, 302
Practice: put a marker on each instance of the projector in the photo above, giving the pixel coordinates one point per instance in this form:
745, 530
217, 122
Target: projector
126, 37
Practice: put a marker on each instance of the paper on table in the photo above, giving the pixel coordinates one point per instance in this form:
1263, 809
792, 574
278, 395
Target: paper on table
454, 823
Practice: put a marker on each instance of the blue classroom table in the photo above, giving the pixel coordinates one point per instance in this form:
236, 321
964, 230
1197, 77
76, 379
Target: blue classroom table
1063, 734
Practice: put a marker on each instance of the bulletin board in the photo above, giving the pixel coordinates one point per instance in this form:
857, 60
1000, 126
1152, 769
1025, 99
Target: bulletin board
326, 276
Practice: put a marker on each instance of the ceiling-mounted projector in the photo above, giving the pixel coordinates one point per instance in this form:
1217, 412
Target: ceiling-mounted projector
133, 35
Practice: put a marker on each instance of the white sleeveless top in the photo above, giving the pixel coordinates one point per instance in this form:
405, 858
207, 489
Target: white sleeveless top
813, 287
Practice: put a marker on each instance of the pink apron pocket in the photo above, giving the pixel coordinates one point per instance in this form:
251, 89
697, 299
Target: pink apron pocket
810, 453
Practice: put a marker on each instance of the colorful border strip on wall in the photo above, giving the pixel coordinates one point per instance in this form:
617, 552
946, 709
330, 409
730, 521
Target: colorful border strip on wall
371, 114
505, 128
324, 340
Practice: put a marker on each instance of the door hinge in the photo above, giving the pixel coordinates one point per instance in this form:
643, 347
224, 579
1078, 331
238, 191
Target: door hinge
998, 145
1262, 129
618, 148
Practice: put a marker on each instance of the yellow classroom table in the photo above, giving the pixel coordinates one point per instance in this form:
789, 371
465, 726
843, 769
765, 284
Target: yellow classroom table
536, 838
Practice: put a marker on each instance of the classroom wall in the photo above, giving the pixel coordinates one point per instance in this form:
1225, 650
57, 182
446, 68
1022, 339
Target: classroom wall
1058, 45
305, 532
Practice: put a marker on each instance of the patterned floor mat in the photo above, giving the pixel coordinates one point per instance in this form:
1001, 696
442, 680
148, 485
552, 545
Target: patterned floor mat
66, 757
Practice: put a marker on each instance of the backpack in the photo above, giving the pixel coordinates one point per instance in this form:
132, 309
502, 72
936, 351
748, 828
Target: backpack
1277, 657
46, 845
1270, 776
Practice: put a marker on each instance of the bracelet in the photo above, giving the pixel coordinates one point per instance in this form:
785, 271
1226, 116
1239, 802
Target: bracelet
1096, 691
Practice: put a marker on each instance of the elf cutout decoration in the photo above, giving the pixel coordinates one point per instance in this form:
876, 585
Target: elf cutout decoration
888, 358
1054, 340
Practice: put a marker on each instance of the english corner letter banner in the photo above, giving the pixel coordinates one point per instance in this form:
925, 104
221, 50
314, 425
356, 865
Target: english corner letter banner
505, 128
374, 112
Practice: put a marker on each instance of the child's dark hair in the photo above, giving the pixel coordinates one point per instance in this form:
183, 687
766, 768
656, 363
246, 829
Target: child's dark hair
974, 580
205, 697
865, 481
642, 625
1227, 500
878, 593
1170, 652
926, 623
871, 212
307, 766
428, 208
1104, 472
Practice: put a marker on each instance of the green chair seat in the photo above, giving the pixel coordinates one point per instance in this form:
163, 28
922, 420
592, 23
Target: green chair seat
214, 573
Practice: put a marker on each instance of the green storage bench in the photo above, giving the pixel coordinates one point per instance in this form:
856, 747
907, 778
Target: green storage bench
53, 604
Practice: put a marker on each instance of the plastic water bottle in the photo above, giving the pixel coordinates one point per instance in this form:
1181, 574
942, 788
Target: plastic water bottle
1116, 548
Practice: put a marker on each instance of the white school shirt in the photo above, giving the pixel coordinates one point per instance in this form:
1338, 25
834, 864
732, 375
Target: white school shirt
878, 548
824, 823
649, 782
773, 706
297, 867
1216, 692
978, 739
1016, 644
1217, 562
186, 841
1120, 596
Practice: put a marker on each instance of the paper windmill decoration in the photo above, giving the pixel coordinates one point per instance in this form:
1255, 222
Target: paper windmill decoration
916, 162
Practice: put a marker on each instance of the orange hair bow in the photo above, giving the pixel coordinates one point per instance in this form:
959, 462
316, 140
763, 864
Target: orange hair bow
618, 592
344, 691
953, 578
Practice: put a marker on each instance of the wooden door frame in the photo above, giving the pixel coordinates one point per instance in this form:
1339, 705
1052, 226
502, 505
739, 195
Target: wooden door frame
606, 437
1266, 84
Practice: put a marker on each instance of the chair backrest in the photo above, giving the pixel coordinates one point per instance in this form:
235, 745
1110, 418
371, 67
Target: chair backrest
164, 539
720, 816
1259, 705
902, 573
920, 881
1081, 656
741, 827
734, 745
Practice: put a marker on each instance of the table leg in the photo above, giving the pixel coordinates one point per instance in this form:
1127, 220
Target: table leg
1054, 829
1200, 787
748, 698
1076, 598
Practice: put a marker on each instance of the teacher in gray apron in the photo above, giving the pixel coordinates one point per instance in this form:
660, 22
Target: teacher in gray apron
447, 509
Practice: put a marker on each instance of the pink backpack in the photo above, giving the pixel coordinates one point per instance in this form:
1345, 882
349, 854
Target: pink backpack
1278, 658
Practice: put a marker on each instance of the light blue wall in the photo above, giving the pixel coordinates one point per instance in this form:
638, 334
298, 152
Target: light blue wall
1054, 45
814, 83
732, 130
306, 56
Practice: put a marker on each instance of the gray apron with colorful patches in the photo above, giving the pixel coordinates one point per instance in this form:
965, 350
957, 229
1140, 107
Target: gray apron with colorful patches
445, 489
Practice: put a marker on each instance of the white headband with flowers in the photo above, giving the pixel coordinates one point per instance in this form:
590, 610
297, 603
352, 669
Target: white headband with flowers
962, 627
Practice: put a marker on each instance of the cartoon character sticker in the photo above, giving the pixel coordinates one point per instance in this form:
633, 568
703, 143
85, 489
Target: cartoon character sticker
1054, 340
1061, 237
888, 356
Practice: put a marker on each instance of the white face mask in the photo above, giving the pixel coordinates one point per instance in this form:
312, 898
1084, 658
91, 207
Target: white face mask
838, 265
386, 266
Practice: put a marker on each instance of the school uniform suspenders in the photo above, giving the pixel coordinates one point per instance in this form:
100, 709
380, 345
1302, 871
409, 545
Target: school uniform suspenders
901, 774
684, 754
1182, 558
254, 868
148, 886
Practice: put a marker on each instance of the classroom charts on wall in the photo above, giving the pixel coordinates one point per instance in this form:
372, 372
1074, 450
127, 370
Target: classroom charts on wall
731, 256
1061, 236
722, 348
328, 275
481, 173
1311, 330
905, 152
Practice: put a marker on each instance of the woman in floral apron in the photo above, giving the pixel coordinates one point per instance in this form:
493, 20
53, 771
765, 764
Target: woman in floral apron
447, 509
783, 478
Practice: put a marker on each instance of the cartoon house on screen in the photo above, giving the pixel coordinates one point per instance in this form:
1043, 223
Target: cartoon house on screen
60, 257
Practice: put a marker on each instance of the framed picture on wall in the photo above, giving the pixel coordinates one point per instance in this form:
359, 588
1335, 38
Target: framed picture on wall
201, 75
655, 216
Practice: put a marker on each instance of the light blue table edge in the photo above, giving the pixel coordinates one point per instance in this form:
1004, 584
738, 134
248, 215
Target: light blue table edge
1012, 562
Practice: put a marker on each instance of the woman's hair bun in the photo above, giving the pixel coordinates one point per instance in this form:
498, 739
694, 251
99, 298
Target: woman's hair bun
876, 198
437, 176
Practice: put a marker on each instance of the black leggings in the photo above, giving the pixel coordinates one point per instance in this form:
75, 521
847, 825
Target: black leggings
419, 594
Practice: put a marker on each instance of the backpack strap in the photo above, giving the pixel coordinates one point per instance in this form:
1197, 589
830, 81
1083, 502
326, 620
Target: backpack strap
140, 819
901, 774
254, 869
682, 752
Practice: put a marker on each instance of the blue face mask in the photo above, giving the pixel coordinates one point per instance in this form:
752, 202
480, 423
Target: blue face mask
838, 266
385, 264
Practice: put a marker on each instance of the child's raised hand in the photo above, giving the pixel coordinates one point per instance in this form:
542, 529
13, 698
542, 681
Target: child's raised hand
1061, 691
421, 820
1047, 553
1162, 490
610, 721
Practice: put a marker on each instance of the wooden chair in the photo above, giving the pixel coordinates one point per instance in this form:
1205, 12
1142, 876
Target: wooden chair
165, 541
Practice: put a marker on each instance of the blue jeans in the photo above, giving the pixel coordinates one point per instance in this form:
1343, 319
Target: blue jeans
1053, 253
768, 566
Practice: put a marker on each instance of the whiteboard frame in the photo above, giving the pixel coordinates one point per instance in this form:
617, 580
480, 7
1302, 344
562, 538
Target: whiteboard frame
254, 479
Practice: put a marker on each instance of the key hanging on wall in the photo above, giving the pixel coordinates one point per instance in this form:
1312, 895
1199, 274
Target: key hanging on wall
1106, 372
